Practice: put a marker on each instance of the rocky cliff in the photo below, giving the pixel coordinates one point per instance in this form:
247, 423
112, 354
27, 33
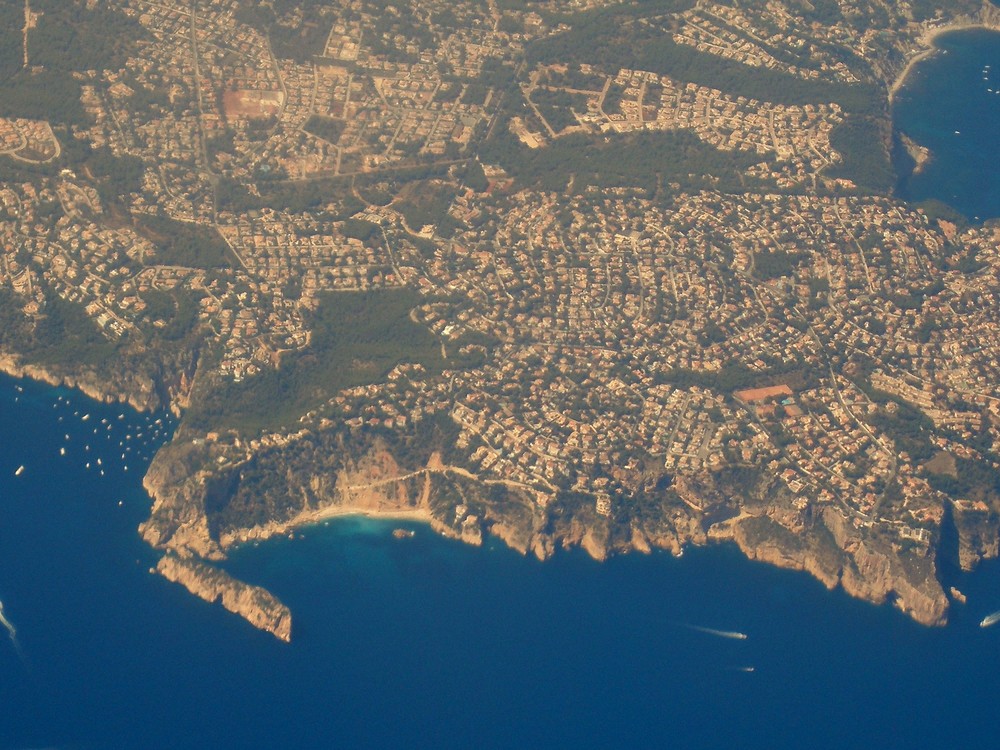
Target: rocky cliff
135, 388
209, 498
178, 481
256, 605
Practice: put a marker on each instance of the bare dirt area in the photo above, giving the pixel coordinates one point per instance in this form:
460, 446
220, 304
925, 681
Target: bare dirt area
251, 103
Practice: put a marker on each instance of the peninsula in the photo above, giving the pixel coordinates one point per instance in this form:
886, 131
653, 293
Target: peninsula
587, 273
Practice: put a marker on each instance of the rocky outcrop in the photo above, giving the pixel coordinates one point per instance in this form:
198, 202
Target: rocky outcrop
838, 554
256, 605
921, 155
878, 572
177, 481
989, 15
805, 556
977, 537
136, 389
878, 576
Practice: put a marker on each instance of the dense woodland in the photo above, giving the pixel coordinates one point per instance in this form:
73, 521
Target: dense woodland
70, 36
327, 128
357, 338
180, 243
865, 144
648, 161
63, 335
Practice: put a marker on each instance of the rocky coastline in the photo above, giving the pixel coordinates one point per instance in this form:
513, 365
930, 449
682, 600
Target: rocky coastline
136, 390
254, 604
921, 155
376, 484
830, 547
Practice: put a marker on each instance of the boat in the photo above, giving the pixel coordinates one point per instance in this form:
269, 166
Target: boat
11, 630
990, 619
732, 634
20, 471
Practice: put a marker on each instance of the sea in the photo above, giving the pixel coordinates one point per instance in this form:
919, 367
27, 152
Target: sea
430, 643
950, 103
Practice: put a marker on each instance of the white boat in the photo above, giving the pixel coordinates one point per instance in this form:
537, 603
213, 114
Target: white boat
732, 634
19, 472
990, 619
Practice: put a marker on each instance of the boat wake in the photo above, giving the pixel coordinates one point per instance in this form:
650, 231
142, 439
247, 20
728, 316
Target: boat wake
731, 634
11, 631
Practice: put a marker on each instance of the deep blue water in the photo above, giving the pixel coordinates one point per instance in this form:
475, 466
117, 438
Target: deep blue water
429, 643
951, 104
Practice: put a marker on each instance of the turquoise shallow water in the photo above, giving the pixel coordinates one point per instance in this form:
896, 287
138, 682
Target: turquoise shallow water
429, 643
950, 103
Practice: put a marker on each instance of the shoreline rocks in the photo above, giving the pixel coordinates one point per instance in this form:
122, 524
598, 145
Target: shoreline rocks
254, 604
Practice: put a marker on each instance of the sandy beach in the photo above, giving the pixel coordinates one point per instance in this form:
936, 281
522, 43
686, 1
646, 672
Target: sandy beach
319, 515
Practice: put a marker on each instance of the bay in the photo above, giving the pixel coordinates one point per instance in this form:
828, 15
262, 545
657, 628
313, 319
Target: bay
950, 103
